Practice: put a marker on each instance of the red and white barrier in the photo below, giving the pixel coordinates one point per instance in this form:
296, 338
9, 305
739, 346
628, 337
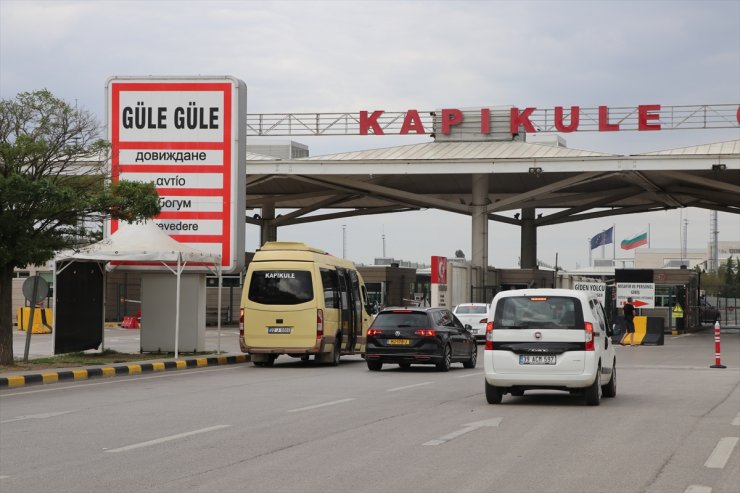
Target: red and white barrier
717, 352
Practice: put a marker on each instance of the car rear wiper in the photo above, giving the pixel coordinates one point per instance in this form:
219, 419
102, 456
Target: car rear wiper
514, 327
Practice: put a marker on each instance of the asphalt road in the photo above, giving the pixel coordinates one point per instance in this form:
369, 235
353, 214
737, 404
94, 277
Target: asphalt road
673, 427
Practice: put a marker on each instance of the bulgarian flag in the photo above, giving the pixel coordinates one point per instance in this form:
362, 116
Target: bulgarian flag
635, 241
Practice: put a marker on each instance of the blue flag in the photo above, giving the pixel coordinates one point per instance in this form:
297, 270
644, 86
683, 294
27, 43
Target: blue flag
603, 238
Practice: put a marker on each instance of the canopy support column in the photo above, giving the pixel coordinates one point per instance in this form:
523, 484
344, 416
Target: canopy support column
528, 247
268, 228
479, 243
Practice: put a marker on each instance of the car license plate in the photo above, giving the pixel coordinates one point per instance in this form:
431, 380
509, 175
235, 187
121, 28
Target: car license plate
278, 330
399, 342
538, 359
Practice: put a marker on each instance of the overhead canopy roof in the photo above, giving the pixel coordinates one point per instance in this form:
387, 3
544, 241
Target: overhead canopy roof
574, 184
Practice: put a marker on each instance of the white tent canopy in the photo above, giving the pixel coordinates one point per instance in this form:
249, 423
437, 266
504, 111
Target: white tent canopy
139, 242
146, 242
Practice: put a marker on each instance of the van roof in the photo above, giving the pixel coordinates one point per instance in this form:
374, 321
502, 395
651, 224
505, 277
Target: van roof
547, 292
294, 251
292, 246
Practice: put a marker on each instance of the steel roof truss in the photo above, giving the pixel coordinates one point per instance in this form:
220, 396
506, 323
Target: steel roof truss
408, 198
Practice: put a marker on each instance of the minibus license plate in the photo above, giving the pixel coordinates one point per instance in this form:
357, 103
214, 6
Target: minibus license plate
398, 342
278, 330
537, 359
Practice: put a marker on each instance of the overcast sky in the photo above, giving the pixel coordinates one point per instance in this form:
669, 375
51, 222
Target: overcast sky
347, 56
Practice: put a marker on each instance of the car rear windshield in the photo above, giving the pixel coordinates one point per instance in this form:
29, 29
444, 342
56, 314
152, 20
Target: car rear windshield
475, 309
280, 287
390, 320
541, 312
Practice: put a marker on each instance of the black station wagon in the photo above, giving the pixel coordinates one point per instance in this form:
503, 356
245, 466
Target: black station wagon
419, 336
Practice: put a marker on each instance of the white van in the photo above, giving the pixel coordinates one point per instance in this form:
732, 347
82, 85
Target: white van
548, 339
301, 301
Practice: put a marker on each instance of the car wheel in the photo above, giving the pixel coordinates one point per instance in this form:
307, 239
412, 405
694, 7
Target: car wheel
610, 389
470, 363
336, 353
270, 360
444, 365
405, 366
374, 365
593, 391
493, 394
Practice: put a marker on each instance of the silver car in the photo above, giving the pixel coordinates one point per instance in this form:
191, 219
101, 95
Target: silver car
475, 315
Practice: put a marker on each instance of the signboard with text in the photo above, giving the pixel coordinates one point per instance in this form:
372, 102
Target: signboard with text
187, 136
642, 294
597, 288
439, 281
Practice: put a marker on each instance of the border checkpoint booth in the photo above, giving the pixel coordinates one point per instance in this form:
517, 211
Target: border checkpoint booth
79, 280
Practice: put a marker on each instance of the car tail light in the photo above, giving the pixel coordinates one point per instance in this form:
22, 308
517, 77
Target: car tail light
483, 321
589, 327
241, 322
373, 332
425, 332
319, 324
489, 336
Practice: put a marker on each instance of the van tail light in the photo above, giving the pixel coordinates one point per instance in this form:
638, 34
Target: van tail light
425, 332
489, 336
589, 327
241, 322
319, 324
373, 332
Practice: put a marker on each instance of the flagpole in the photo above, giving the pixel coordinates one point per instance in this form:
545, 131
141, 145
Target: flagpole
648, 235
590, 264
614, 243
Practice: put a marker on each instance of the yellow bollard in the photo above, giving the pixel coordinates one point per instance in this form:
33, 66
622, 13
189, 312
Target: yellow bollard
42, 319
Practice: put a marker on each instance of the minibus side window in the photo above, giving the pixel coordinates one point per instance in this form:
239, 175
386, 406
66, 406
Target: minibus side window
331, 289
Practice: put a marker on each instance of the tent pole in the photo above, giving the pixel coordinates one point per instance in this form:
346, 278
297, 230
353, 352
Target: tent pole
218, 311
177, 307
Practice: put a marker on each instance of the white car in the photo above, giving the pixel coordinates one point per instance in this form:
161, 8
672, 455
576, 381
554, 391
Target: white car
554, 339
475, 315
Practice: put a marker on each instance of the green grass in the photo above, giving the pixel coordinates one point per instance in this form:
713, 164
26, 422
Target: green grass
70, 360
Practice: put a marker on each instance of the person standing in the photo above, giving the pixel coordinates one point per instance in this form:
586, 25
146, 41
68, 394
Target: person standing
629, 322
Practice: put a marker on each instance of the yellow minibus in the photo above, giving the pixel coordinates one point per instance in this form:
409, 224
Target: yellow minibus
301, 301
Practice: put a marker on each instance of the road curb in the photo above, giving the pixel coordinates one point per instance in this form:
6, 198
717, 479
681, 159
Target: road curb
55, 376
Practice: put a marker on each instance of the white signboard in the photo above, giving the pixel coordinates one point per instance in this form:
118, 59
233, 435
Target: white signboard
597, 288
642, 294
187, 136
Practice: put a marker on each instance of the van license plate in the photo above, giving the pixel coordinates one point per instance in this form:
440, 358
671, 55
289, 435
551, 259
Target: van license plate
278, 330
537, 359
399, 342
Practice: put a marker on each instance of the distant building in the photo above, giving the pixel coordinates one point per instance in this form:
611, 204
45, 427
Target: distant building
674, 258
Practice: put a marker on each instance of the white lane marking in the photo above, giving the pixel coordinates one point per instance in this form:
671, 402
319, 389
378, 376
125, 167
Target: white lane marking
35, 416
736, 421
4, 477
721, 453
166, 439
111, 380
316, 406
494, 422
396, 389
697, 488
476, 374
